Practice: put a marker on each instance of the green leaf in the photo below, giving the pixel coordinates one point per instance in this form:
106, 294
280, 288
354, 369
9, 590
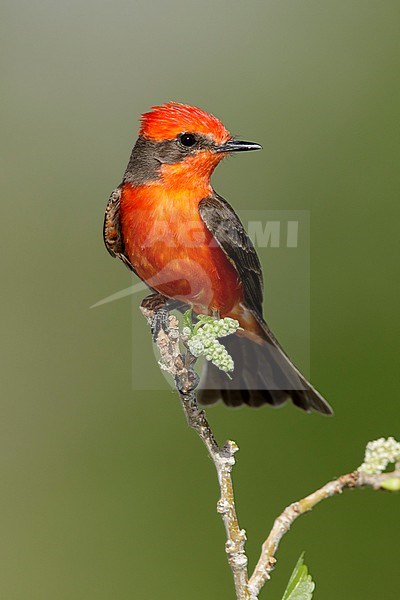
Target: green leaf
205, 319
392, 484
202, 320
188, 319
301, 585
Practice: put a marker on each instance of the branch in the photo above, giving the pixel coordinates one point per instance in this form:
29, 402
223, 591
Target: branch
283, 523
379, 454
180, 366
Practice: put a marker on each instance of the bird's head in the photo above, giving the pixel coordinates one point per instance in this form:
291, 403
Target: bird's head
180, 145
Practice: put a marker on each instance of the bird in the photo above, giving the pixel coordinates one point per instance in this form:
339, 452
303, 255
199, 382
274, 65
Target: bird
168, 225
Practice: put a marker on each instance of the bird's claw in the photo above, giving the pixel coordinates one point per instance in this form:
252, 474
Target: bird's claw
160, 322
154, 302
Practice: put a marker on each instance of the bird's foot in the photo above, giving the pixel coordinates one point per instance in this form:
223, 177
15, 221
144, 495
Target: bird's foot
160, 322
156, 305
154, 302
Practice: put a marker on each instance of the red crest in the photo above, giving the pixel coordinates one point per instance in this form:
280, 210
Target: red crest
167, 121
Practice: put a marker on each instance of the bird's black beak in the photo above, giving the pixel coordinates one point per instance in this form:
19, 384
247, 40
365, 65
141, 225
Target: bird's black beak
237, 146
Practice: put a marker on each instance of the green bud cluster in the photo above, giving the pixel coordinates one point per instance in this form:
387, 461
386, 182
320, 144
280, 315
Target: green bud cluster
379, 454
203, 340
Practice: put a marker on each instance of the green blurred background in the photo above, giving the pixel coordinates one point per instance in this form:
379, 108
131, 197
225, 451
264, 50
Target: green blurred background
105, 493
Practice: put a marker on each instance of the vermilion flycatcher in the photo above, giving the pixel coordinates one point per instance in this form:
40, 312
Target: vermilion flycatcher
168, 225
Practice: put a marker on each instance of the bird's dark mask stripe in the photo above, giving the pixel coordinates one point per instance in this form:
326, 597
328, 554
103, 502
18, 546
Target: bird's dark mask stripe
148, 156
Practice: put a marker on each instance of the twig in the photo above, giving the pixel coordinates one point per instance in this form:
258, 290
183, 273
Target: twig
283, 523
181, 368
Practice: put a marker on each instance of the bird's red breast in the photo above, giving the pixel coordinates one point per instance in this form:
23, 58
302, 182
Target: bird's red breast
172, 250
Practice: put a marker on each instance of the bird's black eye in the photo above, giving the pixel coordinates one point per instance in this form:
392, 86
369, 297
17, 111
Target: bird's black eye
187, 139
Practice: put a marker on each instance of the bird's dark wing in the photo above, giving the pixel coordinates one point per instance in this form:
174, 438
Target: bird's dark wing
229, 233
112, 233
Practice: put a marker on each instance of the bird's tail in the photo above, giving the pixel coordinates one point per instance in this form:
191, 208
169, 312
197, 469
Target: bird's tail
263, 374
